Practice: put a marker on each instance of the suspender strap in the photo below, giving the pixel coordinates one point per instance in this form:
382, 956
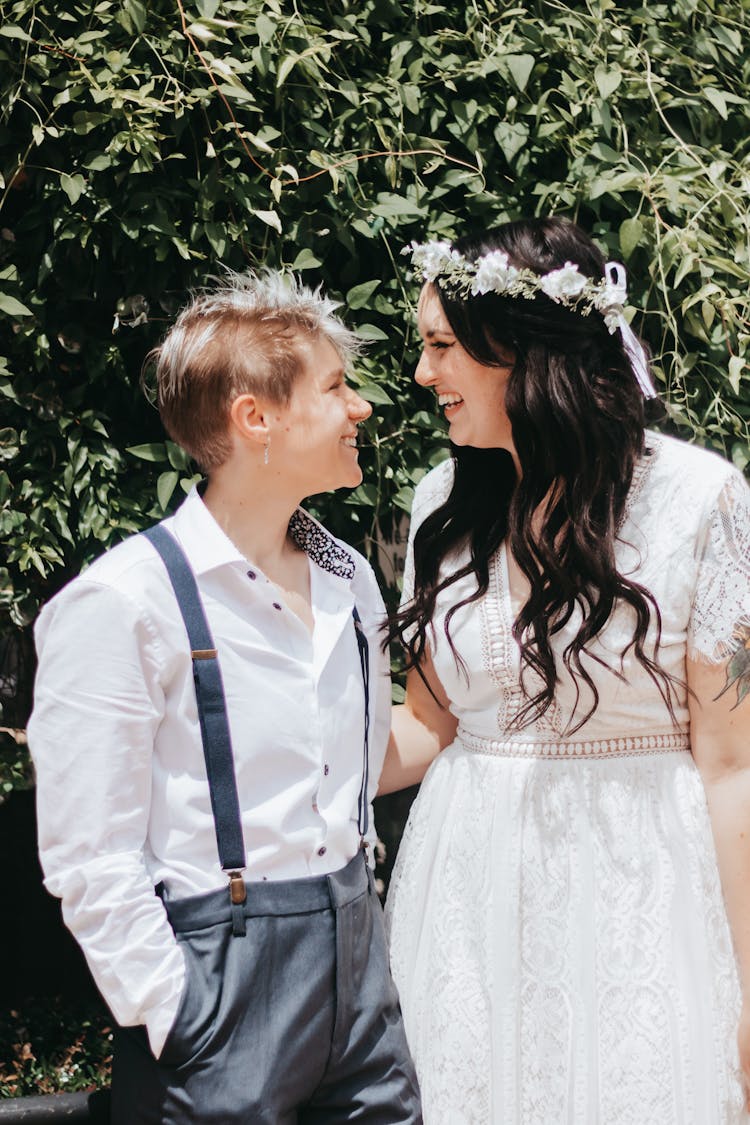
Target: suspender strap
212, 712
363, 805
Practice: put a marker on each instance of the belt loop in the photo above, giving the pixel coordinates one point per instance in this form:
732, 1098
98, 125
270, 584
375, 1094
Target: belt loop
368, 870
239, 923
237, 899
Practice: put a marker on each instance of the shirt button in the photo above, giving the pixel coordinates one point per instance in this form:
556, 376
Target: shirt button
322, 851
251, 574
276, 605
325, 769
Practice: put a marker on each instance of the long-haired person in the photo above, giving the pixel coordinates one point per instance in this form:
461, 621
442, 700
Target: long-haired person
570, 910
211, 711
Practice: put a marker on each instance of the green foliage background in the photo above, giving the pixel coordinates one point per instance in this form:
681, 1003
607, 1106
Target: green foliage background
144, 144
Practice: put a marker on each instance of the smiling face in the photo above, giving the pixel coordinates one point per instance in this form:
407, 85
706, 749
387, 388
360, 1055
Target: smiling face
472, 395
314, 437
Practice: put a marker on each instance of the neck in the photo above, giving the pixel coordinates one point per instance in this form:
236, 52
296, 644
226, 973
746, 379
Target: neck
253, 509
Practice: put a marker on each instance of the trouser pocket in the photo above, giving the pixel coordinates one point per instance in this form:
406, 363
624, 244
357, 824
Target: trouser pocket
195, 1021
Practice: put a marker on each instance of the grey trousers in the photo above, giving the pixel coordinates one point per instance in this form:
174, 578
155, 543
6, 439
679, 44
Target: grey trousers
295, 1023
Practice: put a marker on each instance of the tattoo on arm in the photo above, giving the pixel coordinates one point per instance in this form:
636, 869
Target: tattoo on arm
738, 666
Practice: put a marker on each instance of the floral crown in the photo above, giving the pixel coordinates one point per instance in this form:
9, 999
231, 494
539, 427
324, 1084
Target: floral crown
493, 273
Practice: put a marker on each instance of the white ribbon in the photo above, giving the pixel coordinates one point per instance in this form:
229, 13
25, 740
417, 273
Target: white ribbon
616, 295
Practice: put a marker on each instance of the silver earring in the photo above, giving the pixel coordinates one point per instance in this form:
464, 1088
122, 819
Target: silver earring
266, 448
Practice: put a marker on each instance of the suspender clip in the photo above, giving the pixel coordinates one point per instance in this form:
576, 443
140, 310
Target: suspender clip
204, 654
237, 897
237, 888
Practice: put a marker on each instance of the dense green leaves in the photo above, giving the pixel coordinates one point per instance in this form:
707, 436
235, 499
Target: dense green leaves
145, 143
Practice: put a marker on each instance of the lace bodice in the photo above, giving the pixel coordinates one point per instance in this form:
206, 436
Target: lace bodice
685, 537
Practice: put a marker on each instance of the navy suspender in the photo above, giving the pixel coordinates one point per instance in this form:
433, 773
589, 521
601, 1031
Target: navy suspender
363, 805
209, 691
212, 713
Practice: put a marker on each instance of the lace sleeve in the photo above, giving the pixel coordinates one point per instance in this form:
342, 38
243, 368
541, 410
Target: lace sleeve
430, 493
407, 590
720, 616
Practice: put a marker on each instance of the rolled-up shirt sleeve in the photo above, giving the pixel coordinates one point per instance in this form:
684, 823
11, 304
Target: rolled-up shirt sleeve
98, 705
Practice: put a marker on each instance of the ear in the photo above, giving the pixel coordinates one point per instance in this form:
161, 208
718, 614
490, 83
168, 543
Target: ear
247, 417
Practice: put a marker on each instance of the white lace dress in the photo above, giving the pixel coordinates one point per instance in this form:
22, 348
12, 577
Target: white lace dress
558, 933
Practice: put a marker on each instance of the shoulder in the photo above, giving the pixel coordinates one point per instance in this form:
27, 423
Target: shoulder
432, 490
688, 475
119, 587
131, 569
676, 457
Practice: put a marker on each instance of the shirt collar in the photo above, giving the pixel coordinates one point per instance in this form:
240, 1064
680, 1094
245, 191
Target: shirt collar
207, 547
320, 546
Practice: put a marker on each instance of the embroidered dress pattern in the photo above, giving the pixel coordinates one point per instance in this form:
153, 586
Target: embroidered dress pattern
500, 652
558, 933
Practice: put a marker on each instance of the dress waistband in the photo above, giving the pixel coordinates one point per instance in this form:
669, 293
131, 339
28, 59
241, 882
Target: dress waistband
563, 751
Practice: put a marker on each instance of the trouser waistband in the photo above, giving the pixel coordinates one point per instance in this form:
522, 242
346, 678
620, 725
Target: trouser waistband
284, 896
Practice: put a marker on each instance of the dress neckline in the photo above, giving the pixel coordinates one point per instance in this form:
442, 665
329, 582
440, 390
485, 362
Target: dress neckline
642, 471
503, 658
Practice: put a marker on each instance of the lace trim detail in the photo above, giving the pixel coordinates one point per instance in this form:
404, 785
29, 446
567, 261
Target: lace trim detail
594, 748
501, 654
641, 472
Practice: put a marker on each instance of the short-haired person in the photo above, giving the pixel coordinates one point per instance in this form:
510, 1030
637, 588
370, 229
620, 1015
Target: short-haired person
577, 597
210, 720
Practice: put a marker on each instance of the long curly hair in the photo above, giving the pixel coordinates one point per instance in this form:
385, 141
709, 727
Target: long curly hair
577, 418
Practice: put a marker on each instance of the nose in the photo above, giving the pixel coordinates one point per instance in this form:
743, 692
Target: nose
359, 408
424, 374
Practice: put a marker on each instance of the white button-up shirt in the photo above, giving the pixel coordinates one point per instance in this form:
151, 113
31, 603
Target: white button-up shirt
123, 800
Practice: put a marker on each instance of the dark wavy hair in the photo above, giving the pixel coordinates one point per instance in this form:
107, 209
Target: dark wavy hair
577, 418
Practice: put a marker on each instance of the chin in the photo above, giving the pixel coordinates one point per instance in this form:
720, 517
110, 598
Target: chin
486, 441
351, 480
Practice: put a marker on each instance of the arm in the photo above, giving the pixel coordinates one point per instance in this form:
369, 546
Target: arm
98, 705
421, 728
720, 738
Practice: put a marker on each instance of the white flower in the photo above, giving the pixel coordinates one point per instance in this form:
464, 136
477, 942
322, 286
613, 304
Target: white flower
610, 301
612, 318
494, 274
611, 296
434, 258
563, 285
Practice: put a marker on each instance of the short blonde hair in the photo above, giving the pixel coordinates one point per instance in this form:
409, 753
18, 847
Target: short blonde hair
240, 337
